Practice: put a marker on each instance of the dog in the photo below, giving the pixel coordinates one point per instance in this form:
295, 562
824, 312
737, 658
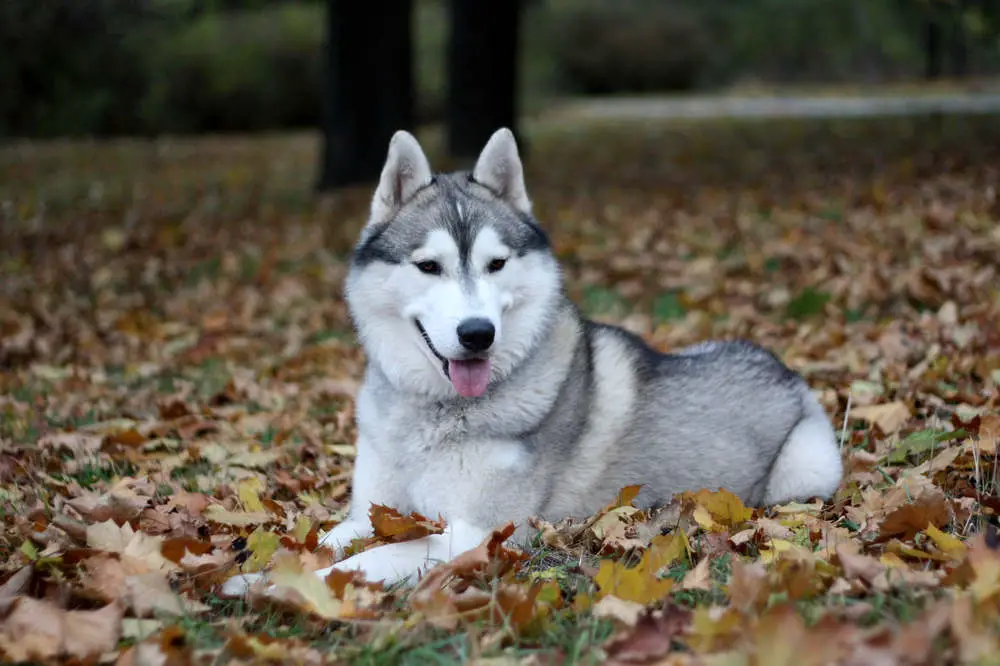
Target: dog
489, 398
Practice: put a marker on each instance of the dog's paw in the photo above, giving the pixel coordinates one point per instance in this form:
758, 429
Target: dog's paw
381, 564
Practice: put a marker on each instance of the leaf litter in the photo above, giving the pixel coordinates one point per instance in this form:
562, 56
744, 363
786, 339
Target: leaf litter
178, 373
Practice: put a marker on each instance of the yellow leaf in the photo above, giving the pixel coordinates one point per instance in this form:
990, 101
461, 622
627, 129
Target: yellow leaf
263, 545
217, 514
702, 516
725, 510
626, 496
946, 543
303, 525
28, 550
665, 549
249, 492
640, 584
637, 584
302, 589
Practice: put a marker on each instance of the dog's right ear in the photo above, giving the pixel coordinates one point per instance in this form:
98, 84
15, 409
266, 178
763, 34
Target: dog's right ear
406, 170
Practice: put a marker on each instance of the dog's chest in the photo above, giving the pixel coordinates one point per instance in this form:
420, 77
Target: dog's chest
459, 471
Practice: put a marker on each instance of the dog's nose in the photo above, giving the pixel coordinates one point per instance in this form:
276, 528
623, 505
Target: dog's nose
476, 334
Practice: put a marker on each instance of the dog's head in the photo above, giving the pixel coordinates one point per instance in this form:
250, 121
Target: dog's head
452, 283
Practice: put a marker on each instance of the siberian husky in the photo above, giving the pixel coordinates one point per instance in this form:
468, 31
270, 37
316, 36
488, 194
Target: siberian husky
488, 398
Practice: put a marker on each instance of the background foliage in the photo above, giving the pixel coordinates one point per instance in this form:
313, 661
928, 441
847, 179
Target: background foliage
152, 66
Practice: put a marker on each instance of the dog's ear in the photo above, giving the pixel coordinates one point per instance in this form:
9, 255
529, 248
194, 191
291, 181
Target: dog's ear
499, 169
406, 170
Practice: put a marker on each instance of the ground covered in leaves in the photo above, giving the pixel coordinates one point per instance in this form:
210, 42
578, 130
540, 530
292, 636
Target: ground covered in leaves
177, 374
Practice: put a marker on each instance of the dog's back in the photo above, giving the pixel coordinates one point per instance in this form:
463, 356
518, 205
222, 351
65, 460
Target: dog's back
720, 414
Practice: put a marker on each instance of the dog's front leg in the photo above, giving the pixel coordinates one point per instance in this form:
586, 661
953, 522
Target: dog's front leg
402, 562
373, 482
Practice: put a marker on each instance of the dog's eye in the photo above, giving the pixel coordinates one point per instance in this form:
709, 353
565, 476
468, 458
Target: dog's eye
496, 265
429, 267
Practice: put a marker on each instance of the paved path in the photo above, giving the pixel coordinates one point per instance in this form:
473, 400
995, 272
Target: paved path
656, 108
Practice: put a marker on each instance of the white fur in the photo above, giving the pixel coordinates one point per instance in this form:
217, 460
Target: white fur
809, 463
386, 298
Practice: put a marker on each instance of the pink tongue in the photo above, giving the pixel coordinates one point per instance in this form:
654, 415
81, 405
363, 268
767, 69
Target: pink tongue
470, 377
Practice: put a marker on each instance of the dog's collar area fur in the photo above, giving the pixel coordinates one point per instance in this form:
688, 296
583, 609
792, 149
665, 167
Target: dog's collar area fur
430, 345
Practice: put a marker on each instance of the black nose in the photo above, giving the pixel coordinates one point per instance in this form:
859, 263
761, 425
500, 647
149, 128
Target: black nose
476, 334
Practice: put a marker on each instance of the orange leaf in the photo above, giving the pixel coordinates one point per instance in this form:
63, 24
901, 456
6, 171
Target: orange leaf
391, 526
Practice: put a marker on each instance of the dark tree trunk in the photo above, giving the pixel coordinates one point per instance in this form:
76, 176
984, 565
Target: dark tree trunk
482, 73
933, 47
367, 87
959, 47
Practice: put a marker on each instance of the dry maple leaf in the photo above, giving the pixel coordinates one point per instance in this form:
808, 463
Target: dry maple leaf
167, 647
639, 583
907, 520
490, 559
621, 611
139, 551
888, 418
650, 638
748, 586
268, 649
698, 578
446, 605
391, 526
294, 587
717, 510
35, 629
861, 567
150, 595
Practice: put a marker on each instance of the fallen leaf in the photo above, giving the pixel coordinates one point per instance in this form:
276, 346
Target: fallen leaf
391, 526
650, 638
35, 629
698, 578
748, 587
888, 417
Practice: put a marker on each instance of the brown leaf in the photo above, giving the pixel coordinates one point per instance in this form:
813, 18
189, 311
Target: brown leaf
748, 589
888, 418
650, 638
391, 526
858, 566
35, 629
150, 595
17, 584
907, 520
490, 559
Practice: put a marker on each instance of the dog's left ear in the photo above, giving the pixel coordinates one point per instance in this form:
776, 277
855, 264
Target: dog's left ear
499, 169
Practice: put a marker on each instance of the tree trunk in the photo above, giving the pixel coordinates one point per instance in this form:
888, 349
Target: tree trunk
959, 47
482, 73
933, 46
367, 87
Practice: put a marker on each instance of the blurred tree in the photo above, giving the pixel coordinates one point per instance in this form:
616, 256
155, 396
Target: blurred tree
482, 73
367, 87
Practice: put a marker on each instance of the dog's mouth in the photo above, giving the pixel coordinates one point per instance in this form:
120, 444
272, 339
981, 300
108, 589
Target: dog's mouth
470, 376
